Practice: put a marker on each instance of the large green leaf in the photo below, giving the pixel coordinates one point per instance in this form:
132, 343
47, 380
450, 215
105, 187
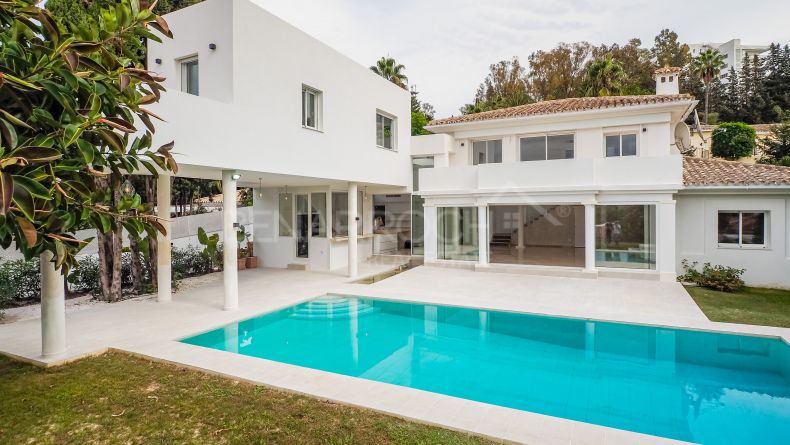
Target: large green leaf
37, 155
6, 192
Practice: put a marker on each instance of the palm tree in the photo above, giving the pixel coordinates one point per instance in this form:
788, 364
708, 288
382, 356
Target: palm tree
708, 66
391, 70
605, 77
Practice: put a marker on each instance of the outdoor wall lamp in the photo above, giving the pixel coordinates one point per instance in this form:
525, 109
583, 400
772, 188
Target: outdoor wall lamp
212, 46
235, 176
158, 61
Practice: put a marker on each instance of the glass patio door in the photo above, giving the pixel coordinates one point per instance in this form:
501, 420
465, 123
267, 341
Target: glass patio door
302, 226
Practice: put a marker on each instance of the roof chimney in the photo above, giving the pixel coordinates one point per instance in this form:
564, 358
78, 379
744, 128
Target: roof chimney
667, 80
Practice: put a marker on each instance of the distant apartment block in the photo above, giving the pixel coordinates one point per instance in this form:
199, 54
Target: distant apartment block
733, 50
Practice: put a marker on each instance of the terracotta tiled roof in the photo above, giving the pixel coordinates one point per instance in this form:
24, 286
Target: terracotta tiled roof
565, 106
706, 172
760, 128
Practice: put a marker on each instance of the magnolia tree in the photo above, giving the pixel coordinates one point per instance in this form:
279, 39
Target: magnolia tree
69, 103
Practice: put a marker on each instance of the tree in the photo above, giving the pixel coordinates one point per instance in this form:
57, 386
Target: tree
605, 78
776, 147
558, 73
391, 70
730, 105
667, 51
636, 62
505, 86
421, 114
707, 66
69, 98
733, 140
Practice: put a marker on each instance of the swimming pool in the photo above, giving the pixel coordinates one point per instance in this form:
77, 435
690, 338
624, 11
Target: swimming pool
695, 386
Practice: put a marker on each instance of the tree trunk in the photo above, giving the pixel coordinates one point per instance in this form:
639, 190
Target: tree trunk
137, 265
110, 245
150, 198
117, 248
707, 97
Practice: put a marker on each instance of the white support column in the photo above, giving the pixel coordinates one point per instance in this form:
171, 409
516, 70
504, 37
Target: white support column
230, 248
352, 230
163, 264
53, 308
589, 238
521, 222
665, 244
482, 234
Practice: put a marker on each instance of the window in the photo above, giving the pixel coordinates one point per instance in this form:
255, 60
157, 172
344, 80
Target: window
742, 229
625, 236
542, 148
385, 131
318, 214
340, 213
620, 145
457, 233
417, 206
311, 108
487, 152
190, 76
286, 214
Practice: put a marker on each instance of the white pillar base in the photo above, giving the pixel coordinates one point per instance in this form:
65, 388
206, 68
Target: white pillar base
163, 262
53, 308
230, 274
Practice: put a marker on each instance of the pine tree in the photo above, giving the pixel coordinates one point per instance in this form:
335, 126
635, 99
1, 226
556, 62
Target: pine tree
761, 111
729, 107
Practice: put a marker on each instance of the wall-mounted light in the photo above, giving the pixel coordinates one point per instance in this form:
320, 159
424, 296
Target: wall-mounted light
286, 193
260, 187
235, 176
644, 129
127, 189
158, 61
212, 46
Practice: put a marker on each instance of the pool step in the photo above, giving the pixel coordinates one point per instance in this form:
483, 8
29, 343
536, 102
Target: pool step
333, 308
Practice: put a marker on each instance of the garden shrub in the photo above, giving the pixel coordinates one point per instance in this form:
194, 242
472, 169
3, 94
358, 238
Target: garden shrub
721, 278
20, 282
733, 140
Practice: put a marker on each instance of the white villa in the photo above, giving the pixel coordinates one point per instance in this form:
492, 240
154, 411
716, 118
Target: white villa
576, 187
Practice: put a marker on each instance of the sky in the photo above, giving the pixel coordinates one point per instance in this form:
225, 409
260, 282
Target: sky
448, 45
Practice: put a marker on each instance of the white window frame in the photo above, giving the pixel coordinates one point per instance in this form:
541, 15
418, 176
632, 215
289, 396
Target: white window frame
740, 244
318, 99
545, 137
182, 64
620, 134
394, 137
472, 150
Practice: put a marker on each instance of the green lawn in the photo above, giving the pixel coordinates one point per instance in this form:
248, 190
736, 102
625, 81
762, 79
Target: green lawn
751, 305
116, 398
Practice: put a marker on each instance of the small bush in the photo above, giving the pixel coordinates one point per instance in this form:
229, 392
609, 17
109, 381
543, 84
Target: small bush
20, 282
733, 140
721, 278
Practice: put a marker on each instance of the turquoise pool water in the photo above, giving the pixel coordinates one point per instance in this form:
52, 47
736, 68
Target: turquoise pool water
688, 385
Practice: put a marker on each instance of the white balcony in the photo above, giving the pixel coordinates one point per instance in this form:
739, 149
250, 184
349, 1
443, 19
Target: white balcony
627, 173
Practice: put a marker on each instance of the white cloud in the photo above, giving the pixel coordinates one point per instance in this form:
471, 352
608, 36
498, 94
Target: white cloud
447, 45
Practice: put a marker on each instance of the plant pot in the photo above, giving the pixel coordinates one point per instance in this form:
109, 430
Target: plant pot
242, 263
252, 262
250, 246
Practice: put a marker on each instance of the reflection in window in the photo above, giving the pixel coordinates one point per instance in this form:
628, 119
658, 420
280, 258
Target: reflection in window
417, 206
621, 145
340, 214
625, 236
318, 214
286, 214
541, 148
487, 152
742, 228
457, 233
311, 108
385, 131
190, 77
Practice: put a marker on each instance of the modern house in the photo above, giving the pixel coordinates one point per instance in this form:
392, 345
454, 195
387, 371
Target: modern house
583, 186
260, 104
734, 52
597, 187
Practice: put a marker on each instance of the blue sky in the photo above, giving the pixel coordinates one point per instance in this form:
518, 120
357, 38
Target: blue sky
447, 45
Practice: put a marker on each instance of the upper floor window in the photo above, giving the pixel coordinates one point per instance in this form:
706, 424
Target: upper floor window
620, 145
742, 229
190, 82
385, 131
311, 108
542, 148
487, 152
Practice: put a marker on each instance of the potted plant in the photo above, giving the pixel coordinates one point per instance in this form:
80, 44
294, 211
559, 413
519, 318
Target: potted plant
252, 260
241, 235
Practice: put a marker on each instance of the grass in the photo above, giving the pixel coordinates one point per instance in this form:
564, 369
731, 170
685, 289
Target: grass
751, 305
117, 398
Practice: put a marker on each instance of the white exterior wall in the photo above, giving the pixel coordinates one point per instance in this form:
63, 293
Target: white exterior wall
697, 235
248, 116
